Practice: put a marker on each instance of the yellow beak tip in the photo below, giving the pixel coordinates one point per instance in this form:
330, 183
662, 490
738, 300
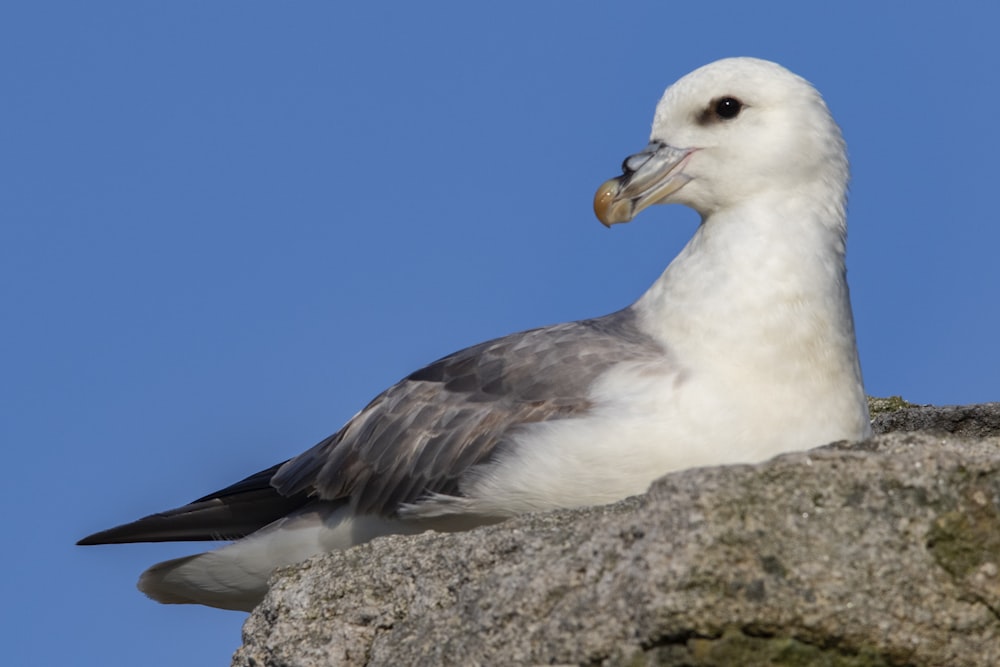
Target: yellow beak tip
604, 200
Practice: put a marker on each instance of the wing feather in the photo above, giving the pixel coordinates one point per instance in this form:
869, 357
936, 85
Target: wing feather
419, 437
422, 434
227, 514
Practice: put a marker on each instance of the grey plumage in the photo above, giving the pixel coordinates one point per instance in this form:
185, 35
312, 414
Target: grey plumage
418, 437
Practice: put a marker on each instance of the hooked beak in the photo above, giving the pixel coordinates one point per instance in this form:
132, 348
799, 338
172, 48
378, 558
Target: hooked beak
648, 178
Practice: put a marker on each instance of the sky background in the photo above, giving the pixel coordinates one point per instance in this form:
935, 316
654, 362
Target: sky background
225, 226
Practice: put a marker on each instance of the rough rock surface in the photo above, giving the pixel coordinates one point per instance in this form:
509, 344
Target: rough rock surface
885, 552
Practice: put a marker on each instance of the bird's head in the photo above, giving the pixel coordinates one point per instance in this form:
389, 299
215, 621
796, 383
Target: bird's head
727, 132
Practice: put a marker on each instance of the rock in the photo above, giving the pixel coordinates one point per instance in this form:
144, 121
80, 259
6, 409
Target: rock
970, 421
884, 552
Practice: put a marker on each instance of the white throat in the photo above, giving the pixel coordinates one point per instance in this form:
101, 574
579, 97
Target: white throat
760, 291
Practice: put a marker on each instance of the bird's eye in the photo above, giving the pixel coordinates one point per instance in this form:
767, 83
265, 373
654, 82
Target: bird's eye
728, 107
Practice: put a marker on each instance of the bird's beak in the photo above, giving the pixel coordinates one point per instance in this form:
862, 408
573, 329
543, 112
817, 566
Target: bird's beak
648, 177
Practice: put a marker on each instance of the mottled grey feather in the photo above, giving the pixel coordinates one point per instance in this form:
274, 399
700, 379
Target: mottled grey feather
420, 436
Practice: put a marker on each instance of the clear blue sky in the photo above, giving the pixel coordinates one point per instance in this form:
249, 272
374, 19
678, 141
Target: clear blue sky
225, 226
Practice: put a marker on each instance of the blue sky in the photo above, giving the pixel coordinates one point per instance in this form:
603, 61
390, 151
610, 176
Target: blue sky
225, 226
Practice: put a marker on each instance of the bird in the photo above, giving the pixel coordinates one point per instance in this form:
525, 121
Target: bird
742, 349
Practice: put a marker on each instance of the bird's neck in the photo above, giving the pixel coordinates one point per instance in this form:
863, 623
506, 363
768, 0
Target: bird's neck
771, 270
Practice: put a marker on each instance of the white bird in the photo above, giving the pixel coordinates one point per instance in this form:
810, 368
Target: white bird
742, 349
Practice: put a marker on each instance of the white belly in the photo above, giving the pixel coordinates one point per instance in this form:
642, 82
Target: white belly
648, 422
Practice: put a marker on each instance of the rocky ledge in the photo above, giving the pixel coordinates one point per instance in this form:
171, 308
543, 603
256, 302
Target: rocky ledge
883, 552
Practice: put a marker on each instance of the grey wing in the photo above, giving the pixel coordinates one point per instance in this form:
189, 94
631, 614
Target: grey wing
419, 436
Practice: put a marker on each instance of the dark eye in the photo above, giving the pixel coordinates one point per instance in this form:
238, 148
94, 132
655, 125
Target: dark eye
728, 107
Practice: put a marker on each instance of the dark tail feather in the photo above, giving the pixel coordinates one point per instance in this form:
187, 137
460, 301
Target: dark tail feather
229, 514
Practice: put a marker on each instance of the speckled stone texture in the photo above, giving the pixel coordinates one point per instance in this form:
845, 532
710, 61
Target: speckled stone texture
885, 552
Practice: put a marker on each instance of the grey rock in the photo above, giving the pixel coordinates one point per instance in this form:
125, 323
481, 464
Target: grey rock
970, 421
884, 552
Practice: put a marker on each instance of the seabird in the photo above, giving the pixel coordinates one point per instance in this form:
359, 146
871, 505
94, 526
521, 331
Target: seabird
742, 349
